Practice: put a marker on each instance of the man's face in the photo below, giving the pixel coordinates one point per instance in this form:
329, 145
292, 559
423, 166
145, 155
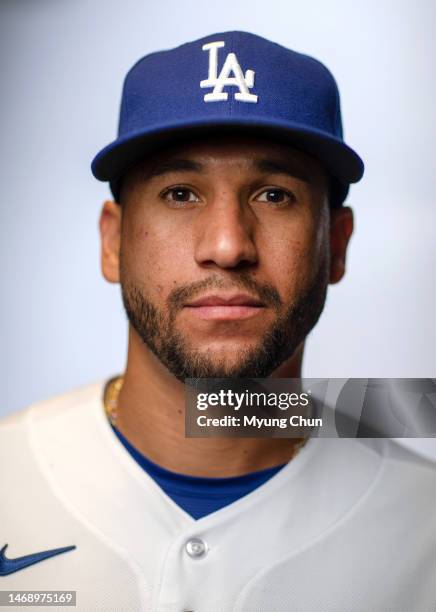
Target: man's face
224, 255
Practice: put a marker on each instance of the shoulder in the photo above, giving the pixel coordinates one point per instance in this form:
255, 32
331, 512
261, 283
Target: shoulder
383, 458
17, 429
372, 479
401, 495
36, 441
400, 470
395, 458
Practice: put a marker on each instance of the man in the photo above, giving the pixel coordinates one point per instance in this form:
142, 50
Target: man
229, 175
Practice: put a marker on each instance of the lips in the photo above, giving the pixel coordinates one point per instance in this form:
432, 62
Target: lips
239, 299
225, 307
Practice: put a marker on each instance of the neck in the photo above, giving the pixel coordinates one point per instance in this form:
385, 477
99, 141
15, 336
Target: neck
151, 416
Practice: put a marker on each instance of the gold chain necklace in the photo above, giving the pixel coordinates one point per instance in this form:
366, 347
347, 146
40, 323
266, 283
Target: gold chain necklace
110, 399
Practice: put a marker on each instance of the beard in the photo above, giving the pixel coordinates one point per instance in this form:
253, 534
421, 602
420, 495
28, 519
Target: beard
156, 327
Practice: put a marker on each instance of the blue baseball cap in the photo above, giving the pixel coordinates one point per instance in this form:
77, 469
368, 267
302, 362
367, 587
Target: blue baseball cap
235, 82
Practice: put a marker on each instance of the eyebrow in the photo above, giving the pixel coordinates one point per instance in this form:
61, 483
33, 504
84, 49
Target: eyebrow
266, 166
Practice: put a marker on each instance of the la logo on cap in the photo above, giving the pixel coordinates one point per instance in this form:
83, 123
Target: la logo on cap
218, 82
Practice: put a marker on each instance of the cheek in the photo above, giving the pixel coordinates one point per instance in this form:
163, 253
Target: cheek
289, 263
154, 259
293, 257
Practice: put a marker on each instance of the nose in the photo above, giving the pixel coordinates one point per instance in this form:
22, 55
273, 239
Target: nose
225, 235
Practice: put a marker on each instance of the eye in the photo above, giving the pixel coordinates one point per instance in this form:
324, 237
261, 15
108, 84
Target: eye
276, 196
179, 195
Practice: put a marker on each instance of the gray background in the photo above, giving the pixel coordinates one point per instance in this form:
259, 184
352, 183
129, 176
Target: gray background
62, 65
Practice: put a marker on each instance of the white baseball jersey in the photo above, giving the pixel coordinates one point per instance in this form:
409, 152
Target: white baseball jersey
345, 526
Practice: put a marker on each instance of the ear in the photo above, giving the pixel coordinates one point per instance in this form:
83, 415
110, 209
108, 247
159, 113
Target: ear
110, 235
341, 228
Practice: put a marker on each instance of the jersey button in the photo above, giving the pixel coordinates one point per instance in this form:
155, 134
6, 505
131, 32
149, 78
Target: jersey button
196, 548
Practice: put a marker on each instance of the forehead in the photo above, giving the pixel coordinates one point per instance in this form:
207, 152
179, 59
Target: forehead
241, 152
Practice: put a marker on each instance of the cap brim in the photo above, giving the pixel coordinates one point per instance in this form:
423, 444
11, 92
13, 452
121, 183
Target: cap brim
337, 157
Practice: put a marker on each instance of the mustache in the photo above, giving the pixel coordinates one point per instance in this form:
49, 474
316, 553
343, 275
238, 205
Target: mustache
265, 292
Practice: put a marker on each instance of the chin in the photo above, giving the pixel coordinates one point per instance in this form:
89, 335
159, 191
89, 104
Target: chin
226, 352
223, 362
